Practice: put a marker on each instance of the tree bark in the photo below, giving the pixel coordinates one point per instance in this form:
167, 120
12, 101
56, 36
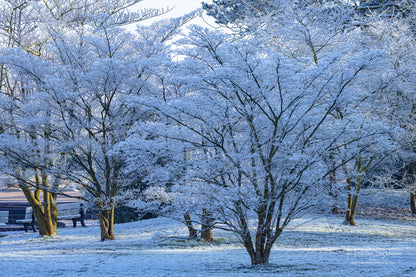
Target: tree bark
413, 202
352, 209
261, 253
206, 226
45, 214
45, 225
191, 229
106, 224
260, 257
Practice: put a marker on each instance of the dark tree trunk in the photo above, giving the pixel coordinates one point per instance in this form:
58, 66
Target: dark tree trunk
265, 238
206, 226
353, 194
191, 229
261, 252
106, 223
352, 209
413, 203
260, 257
354, 188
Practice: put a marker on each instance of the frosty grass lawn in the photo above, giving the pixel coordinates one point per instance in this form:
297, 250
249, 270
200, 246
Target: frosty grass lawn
320, 246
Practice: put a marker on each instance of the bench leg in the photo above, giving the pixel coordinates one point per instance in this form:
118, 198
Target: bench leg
25, 226
34, 226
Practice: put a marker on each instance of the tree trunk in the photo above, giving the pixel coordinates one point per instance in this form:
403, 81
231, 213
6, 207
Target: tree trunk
260, 254
206, 226
260, 257
49, 209
352, 209
106, 224
413, 202
353, 192
45, 224
45, 215
191, 229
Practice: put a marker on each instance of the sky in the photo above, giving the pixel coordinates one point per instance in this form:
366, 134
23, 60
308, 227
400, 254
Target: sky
180, 7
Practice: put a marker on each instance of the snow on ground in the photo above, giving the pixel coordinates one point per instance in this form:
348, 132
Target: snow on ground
320, 246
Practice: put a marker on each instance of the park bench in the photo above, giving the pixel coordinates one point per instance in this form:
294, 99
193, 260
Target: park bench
4, 217
29, 219
70, 211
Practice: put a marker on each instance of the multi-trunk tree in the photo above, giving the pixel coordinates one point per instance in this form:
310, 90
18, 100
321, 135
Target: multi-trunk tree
322, 25
257, 125
25, 130
76, 97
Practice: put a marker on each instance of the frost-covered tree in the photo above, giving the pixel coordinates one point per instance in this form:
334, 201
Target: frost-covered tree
75, 95
257, 125
322, 25
244, 16
25, 142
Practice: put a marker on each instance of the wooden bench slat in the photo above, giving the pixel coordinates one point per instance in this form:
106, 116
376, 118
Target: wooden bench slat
23, 220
